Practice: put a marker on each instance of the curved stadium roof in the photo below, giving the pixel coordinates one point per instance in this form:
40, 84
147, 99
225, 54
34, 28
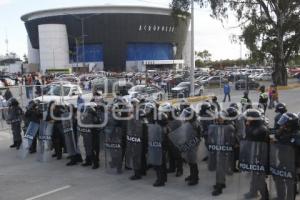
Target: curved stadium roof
95, 10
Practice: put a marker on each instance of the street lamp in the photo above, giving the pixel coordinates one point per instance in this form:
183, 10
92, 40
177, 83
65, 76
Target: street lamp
82, 21
192, 51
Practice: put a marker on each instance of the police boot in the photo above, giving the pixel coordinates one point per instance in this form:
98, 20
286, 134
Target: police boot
220, 185
160, 179
171, 168
217, 190
179, 170
194, 177
78, 158
95, 161
72, 161
87, 162
13, 145
136, 176
19, 145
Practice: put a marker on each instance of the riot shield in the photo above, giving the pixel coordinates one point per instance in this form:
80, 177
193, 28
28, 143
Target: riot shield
113, 149
221, 140
253, 170
86, 134
186, 140
31, 132
44, 141
155, 139
283, 172
69, 136
134, 144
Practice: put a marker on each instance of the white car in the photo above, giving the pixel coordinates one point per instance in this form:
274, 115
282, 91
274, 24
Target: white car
150, 91
264, 77
67, 93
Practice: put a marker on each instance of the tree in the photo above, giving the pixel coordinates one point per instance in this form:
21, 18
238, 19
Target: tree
204, 55
270, 28
25, 59
202, 58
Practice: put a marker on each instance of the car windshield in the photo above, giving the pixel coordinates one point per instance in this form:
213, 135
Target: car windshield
56, 90
138, 89
149, 90
182, 84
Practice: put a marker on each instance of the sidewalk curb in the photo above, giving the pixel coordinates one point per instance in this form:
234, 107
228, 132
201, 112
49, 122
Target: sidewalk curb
189, 99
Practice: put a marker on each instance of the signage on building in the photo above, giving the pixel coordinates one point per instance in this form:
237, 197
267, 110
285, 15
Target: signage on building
156, 28
162, 62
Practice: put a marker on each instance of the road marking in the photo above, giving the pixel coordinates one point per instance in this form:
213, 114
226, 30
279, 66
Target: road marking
49, 193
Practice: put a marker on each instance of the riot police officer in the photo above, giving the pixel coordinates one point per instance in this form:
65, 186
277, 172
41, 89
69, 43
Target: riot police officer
157, 143
90, 135
206, 117
136, 141
257, 133
287, 145
221, 142
280, 109
189, 118
15, 115
238, 123
175, 160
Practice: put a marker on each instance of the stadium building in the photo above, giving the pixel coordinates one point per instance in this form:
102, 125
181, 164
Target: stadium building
110, 38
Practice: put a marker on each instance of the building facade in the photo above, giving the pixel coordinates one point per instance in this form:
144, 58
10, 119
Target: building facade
110, 38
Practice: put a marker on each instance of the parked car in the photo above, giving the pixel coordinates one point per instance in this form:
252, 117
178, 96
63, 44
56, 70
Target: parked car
213, 80
264, 77
64, 93
183, 89
145, 91
242, 84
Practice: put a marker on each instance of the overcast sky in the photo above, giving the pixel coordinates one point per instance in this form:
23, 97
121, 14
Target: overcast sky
210, 34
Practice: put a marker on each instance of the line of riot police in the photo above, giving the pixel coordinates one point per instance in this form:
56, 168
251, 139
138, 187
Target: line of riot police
142, 135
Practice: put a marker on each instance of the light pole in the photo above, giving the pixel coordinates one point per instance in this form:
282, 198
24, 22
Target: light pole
82, 21
192, 92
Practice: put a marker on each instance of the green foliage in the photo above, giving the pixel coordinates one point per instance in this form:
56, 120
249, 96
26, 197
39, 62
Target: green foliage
270, 29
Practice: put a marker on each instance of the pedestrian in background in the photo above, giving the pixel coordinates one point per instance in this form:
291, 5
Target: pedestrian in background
227, 91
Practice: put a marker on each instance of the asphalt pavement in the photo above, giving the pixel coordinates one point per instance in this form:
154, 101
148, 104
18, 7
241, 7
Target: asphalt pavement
29, 179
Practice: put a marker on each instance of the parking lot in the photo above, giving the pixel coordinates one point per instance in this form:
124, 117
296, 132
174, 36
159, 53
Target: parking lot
28, 179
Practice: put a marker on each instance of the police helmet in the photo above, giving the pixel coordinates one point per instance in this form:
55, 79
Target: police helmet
232, 112
253, 115
165, 108
12, 102
280, 108
289, 119
149, 108
187, 114
234, 105
205, 106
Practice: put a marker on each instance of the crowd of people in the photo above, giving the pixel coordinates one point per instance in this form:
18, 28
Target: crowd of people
142, 135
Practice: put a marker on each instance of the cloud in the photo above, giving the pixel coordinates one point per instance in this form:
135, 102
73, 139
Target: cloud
5, 2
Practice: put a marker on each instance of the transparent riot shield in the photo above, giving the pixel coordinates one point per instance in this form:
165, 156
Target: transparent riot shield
134, 144
113, 149
220, 142
30, 134
86, 134
186, 140
254, 168
155, 139
44, 141
283, 172
69, 136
